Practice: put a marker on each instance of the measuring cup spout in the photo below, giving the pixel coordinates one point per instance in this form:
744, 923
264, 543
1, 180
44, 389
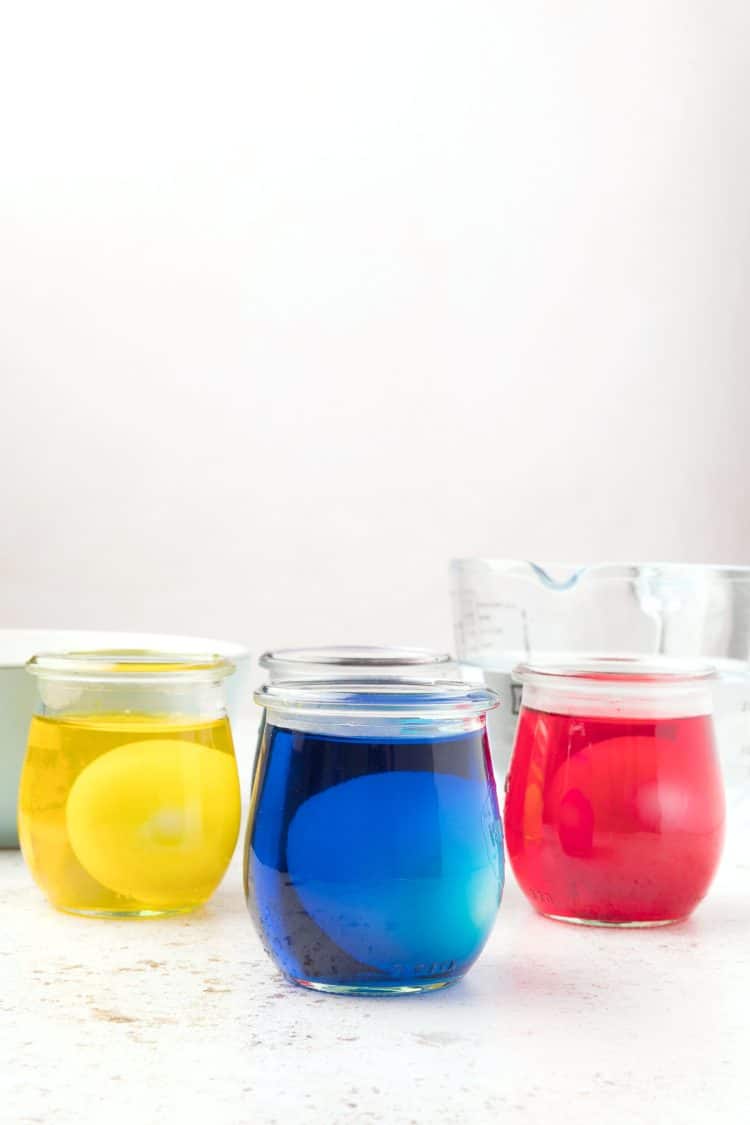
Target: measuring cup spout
562, 581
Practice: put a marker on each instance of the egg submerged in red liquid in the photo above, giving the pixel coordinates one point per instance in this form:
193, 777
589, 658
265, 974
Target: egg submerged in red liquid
616, 819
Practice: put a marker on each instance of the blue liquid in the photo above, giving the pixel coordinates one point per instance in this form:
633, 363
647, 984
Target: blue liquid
373, 865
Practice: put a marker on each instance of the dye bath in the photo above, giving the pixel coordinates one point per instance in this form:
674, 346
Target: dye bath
122, 814
614, 820
373, 864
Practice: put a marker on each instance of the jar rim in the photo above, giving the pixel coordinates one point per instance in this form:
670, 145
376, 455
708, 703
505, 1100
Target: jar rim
363, 656
374, 697
607, 672
130, 665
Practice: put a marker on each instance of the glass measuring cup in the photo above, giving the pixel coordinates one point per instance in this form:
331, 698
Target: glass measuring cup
373, 858
507, 611
129, 802
614, 808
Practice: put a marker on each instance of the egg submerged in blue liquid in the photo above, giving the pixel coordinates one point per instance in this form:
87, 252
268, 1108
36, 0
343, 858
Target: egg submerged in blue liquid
374, 864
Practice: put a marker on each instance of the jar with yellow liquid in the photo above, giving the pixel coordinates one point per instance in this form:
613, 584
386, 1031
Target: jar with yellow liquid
129, 803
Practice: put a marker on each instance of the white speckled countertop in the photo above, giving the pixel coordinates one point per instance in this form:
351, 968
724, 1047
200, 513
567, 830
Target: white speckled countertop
162, 1021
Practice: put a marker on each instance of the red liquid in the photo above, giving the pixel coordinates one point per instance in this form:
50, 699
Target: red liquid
614, 820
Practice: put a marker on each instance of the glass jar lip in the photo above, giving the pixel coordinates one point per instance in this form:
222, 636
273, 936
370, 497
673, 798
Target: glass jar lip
144, 666
373, 697
604, 673
362, 656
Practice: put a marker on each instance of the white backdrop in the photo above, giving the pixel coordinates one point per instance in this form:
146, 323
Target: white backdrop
299, 299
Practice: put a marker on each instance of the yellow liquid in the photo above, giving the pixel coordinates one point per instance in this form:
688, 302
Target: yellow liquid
128, 814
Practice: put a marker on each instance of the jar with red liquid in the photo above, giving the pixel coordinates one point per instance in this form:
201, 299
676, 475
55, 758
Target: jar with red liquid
614, 808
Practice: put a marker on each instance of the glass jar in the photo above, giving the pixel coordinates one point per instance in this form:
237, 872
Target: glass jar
129, 802
347, 661
614, 809
374, 859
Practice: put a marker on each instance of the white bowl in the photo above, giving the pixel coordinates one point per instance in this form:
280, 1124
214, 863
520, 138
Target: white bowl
18, 690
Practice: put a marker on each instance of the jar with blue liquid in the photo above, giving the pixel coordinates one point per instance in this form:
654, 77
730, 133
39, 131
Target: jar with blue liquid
374, 851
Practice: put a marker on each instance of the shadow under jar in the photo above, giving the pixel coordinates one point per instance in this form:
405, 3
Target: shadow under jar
614, 808
129, 803
374, 858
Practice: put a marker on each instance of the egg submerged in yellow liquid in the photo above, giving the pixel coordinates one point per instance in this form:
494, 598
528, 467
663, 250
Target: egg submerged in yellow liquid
121, 815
